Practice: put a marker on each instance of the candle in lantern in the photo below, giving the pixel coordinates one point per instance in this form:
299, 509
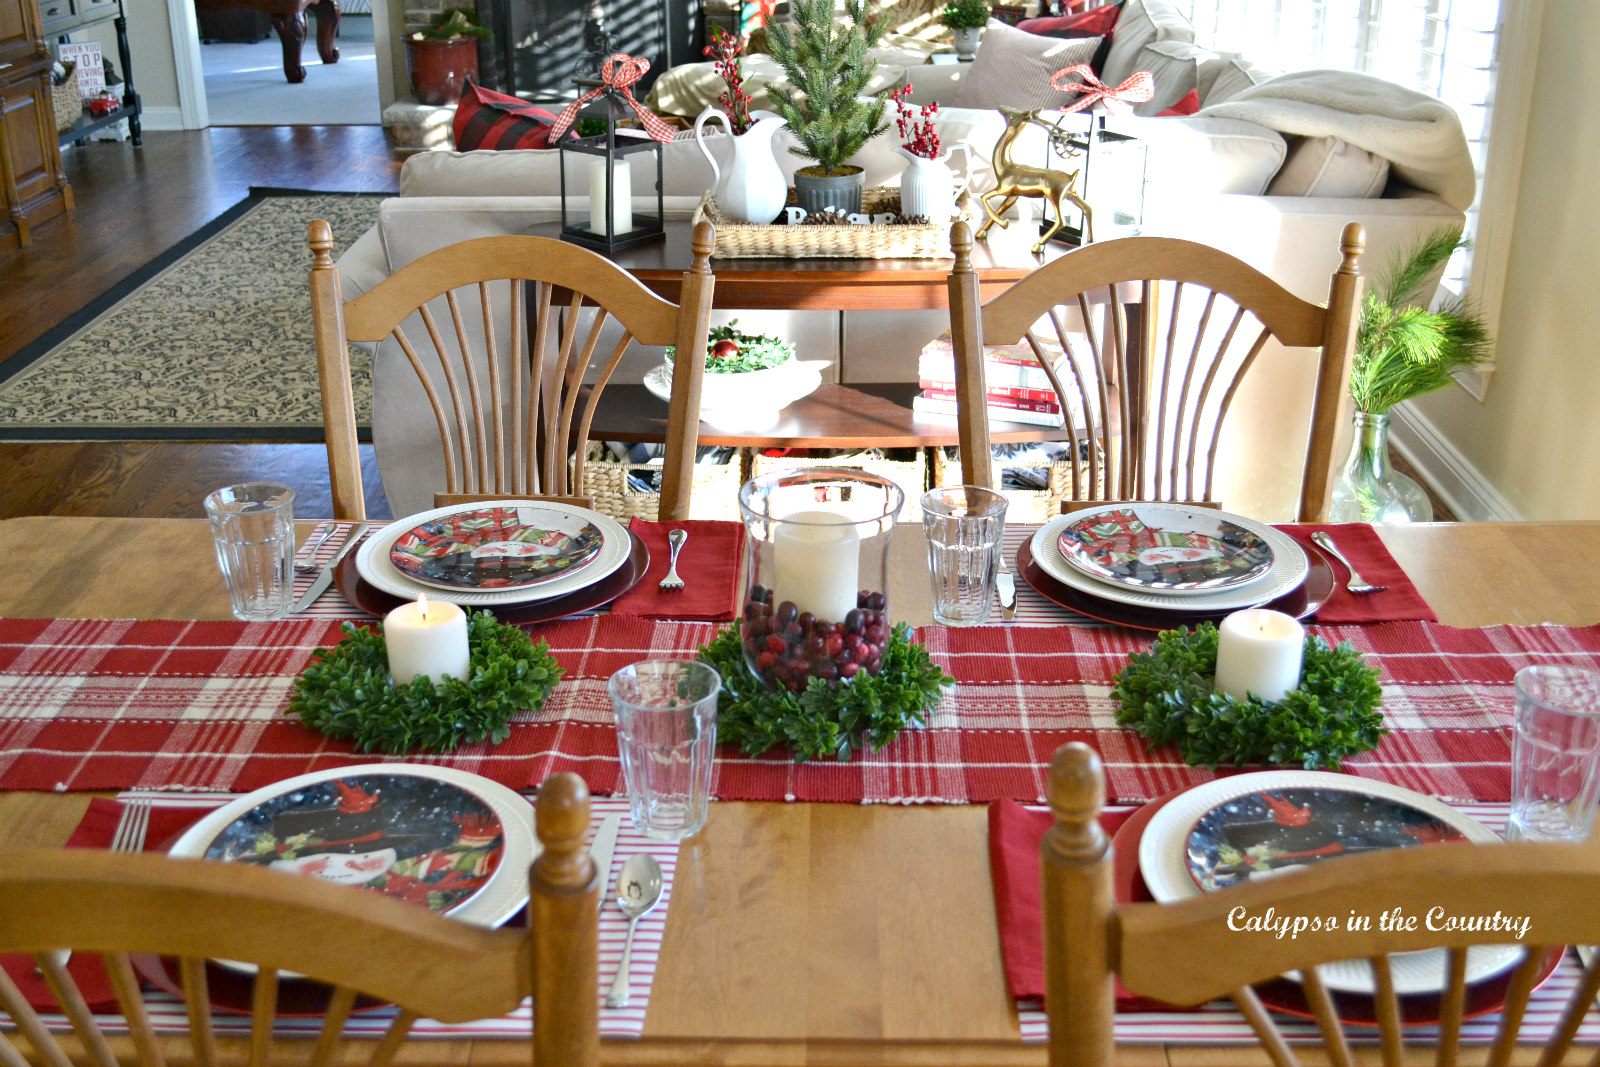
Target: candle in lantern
622, 194
1259, 652
427, 639
816, 560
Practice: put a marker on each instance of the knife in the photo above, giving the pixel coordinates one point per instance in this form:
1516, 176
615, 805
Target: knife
326, 577
604, 844
1006, 586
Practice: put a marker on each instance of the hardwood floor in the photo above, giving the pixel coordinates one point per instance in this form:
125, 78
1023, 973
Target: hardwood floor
132, 204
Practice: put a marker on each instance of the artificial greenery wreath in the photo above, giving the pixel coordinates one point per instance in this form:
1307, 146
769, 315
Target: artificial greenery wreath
824, 719
1167, 695
347, 693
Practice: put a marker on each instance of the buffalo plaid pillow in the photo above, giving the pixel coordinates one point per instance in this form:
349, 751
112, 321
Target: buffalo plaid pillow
1096, 22
489, 120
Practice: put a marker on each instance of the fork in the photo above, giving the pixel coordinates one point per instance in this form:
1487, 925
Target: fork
132, 828
309, 550
1356, 584
672, 582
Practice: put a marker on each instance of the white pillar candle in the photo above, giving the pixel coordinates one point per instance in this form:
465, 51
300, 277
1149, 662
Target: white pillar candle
427, 638
621, 189
1259, 652
816, 560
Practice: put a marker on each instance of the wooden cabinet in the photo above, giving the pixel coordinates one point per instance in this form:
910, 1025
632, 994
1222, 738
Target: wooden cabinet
33, 186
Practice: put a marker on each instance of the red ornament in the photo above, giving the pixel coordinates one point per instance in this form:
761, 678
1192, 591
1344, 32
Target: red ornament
725, 349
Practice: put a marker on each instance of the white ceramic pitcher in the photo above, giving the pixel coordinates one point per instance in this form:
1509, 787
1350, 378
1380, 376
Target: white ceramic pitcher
928, 187
753, 189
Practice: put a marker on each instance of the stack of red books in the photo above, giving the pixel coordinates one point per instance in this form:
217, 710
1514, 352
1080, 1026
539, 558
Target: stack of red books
1018, 390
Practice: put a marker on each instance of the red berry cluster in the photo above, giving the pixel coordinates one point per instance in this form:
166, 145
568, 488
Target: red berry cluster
917, 133
787, 646
725, 48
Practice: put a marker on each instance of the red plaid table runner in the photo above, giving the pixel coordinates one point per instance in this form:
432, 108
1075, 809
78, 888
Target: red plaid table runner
95, 704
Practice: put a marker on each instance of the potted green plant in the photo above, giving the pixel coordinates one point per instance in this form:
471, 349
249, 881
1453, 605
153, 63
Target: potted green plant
441, 56
1402, 351
966, 20
826, 69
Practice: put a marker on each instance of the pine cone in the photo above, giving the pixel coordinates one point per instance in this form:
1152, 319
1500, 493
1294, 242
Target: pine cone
827, 218
912, 220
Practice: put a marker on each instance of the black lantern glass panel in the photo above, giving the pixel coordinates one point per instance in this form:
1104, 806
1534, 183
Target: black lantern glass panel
1112, 167
601, 167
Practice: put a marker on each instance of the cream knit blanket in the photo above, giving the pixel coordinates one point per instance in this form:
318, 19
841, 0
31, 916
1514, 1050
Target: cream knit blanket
1420, 136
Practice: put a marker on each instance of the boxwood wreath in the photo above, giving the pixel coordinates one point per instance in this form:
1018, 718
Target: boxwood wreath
824, 719
346, 692
1167, 695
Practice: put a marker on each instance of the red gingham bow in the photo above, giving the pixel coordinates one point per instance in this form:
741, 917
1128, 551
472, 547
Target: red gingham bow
619, 72
1138, 88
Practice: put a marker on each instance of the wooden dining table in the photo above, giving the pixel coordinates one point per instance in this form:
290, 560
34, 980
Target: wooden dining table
797, 933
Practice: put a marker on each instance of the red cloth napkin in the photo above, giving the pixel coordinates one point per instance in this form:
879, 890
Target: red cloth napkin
1363, 547
95, 831
1014, 836
708, 564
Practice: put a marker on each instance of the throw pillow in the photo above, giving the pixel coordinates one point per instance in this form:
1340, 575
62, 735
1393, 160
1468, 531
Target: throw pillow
1013, 69
1141, 24
1174, 67
1327, 166
486, 119
1096, 22
1196, 155
1187, 106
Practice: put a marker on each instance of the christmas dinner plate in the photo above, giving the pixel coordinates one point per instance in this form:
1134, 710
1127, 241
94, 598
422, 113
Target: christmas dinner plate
1289, 567
374, 557
1165, 860
1164, 548
497, 547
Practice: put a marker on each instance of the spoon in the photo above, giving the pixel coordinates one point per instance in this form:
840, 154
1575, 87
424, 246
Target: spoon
638, 890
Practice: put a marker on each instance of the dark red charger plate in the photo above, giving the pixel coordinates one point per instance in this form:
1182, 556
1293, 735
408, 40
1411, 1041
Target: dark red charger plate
374, 601
1280, 994
1299, 602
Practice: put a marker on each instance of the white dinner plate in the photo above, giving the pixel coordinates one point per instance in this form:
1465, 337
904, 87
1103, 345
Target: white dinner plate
500, 898
1163, 862
1289, 567
1178, 550
372, 558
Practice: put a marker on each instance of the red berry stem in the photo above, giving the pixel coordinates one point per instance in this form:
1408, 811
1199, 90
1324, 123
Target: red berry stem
725, 48
916, 130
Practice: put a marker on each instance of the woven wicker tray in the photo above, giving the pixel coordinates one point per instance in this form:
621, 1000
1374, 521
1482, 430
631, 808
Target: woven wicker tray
748, 240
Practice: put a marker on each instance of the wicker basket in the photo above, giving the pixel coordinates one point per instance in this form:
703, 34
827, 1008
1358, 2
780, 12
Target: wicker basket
910, 475
1027, 506
714, 494
66, 100
748, 240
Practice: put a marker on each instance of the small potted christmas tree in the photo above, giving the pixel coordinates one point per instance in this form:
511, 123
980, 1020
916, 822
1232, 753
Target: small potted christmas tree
966, 20
826, 69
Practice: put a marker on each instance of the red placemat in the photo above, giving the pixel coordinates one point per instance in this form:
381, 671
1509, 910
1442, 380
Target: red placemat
1363, 547
87, 969
708, 563
113, 705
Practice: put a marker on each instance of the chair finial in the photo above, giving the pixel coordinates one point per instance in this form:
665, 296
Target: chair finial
703, 242
319, 235
961, 245
1077, 791
1352, 243
562, 816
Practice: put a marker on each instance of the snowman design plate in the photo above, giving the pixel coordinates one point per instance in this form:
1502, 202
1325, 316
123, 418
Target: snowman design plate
496, 548
1164, 548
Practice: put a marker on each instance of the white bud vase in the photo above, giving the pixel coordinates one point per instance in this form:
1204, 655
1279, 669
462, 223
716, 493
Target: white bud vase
928, 186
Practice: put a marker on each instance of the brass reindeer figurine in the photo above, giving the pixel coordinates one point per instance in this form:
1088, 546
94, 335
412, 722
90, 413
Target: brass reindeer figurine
1015, 180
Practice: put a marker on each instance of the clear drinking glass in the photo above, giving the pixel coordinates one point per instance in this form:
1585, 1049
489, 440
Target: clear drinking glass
1555, 754
253, 528
666, 735
965, 525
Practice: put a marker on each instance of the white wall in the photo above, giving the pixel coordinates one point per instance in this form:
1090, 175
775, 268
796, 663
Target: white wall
1535, 440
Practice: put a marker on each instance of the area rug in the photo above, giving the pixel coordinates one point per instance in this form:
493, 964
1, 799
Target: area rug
211, 340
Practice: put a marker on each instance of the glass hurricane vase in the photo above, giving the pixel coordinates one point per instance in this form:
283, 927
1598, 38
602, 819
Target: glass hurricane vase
816, 563
1369, 489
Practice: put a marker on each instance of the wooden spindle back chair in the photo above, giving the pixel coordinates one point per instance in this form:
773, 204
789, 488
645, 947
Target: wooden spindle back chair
1166, 332
508, 413
120, 905
1186, 953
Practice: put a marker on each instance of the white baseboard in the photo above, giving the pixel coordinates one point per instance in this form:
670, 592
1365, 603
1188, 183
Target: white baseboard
162, 118
1468, 494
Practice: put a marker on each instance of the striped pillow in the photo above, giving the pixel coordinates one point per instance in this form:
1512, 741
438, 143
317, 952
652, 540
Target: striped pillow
494, 121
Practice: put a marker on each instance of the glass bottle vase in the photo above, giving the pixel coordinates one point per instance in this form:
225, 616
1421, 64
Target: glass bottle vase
1369, 489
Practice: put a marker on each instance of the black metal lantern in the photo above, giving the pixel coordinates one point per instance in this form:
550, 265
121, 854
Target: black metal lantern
1113, 171
602, 166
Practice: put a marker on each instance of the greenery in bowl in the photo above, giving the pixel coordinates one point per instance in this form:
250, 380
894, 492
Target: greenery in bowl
730, 352
966, 14
826, 69
452, 24
1402, 350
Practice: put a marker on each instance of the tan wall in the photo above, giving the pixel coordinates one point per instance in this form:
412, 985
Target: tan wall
1536, 438
150, 41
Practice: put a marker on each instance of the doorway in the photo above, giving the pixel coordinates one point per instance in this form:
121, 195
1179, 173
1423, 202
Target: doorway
241, 60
